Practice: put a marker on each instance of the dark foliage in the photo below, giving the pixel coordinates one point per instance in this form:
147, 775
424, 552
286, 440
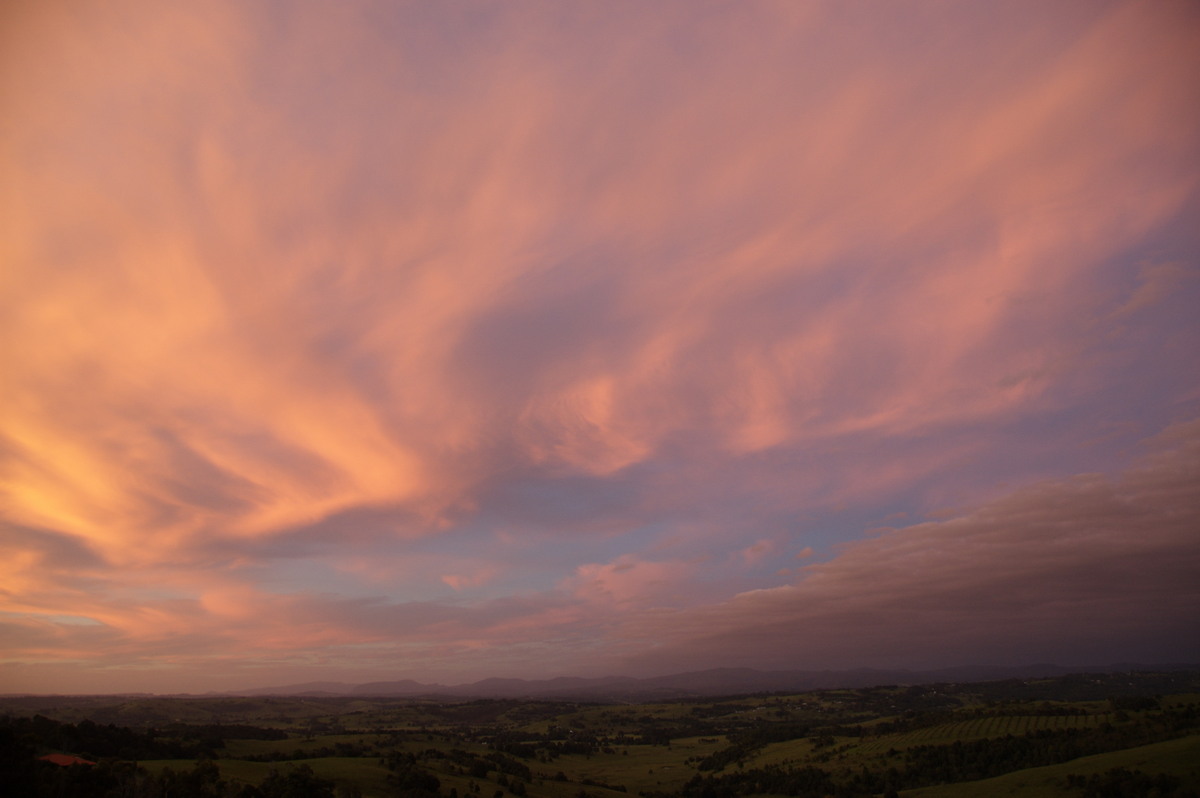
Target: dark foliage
297, 782
94, 741
807, 781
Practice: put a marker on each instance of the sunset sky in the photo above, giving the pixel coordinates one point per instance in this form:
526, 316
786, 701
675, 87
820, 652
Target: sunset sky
382, 340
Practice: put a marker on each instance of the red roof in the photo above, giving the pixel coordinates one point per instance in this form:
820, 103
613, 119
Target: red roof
65, 759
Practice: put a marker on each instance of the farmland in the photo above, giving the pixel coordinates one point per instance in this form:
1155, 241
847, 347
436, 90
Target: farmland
1068, 736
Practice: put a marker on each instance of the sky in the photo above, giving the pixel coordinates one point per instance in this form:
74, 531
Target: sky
380, 340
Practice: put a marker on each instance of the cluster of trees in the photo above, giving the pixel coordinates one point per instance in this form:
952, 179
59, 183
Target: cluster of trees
337, 749
960, 761
981, 759
805, 781
543, 747
222, 731
29, 776
115, 751
501, 754
95, 741
474, 765
411, 776
484, 711
557, 741
746, 742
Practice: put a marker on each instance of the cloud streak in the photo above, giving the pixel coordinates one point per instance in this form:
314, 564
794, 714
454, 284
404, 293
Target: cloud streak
577, 311
1057, 570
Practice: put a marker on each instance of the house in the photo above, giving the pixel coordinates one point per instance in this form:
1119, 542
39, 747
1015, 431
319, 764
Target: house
65, 760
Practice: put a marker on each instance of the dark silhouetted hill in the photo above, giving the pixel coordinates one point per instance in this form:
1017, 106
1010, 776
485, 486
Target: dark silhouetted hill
705, 683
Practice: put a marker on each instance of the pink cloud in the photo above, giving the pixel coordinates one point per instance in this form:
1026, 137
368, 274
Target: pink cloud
1061, 570
238, 371
475, 579
757, 551
1064, 569
638, 287
631, 582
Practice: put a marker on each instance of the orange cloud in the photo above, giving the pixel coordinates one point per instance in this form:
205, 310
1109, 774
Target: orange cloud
262, 281
236, 341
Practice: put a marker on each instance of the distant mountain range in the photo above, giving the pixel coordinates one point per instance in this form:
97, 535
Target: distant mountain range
706, 683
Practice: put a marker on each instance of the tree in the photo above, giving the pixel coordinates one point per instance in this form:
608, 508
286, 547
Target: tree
298, 782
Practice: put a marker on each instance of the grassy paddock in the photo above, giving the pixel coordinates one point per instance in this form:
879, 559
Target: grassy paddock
981, 729
842, 732
1179, 758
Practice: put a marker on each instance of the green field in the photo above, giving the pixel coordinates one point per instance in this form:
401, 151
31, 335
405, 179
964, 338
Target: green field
1180, 758
995, 739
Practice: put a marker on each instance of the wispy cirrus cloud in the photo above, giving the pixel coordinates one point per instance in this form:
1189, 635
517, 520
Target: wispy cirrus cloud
377, 307
1057, 570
